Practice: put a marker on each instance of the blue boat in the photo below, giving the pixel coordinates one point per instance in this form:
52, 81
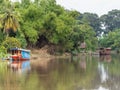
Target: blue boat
19, 54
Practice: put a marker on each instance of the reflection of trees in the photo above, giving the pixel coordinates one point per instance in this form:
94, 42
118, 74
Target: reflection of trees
12, 81
65, 75
15, 82
113, 65
8, 81
75, 78
114, 73
45, 66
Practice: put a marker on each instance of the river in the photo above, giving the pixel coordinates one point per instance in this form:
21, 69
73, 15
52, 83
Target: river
84, 72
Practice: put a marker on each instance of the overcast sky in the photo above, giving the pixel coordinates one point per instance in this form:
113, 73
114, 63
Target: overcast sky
99, 7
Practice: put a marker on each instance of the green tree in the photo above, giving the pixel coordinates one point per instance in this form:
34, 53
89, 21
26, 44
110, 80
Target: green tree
45, 21
89, 37
11, 42
10, 23
93, 20
111, 40
9, 19
110, 21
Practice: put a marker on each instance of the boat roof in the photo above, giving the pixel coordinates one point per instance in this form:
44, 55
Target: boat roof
11, 49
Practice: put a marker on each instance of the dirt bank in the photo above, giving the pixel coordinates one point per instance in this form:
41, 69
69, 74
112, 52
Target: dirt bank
42, 54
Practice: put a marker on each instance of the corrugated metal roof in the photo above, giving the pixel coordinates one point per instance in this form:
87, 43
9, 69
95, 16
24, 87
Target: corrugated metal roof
20, 49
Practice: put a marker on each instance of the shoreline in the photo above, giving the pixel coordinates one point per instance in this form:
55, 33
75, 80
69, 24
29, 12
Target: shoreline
40, 54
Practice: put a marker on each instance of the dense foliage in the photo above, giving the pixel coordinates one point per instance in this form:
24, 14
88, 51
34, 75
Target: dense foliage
43, 22
11, 42
110, 21
111, 30
111, 40
93, 20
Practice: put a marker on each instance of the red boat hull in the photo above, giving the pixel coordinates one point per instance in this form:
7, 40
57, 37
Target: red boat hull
16, 57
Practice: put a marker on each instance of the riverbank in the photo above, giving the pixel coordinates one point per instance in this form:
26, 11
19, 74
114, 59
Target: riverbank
41, 57
42, 54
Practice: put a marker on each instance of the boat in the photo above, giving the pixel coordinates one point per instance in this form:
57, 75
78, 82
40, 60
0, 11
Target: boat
105, 51
19, 54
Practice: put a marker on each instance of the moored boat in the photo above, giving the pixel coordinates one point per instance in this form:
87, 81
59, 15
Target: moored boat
105, 51
19, 54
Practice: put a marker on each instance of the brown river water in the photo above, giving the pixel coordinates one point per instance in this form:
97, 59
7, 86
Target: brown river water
76, 73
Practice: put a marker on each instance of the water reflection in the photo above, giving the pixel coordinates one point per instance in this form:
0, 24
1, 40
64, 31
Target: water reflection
19, 66
79, 62
83, 63
106, 58
82, 72
102, 88
103, 72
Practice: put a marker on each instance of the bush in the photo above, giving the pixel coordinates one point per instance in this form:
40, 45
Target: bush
11, 42
1, 37
3, 51
20, 36
23, 42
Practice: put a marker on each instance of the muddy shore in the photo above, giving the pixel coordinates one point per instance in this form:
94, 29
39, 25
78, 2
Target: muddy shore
42, 54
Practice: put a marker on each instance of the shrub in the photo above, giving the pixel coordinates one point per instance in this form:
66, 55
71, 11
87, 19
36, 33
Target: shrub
23, 42
20, 36
3, 51
11, 42
1, 37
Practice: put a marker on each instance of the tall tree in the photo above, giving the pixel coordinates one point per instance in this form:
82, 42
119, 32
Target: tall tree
110, 21
9, 19
92, 20
10, 23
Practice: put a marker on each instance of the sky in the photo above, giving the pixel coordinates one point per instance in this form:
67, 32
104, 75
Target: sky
99, 7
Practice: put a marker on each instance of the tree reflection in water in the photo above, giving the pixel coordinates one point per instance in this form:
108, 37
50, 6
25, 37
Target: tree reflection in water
79, 73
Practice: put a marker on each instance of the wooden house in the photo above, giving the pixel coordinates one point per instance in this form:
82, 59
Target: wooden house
105, 51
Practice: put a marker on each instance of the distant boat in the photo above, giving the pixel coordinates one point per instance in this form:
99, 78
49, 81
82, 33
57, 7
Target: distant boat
19, 54
105, 51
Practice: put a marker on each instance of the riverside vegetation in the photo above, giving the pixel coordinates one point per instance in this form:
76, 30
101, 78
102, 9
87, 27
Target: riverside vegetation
35, 24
